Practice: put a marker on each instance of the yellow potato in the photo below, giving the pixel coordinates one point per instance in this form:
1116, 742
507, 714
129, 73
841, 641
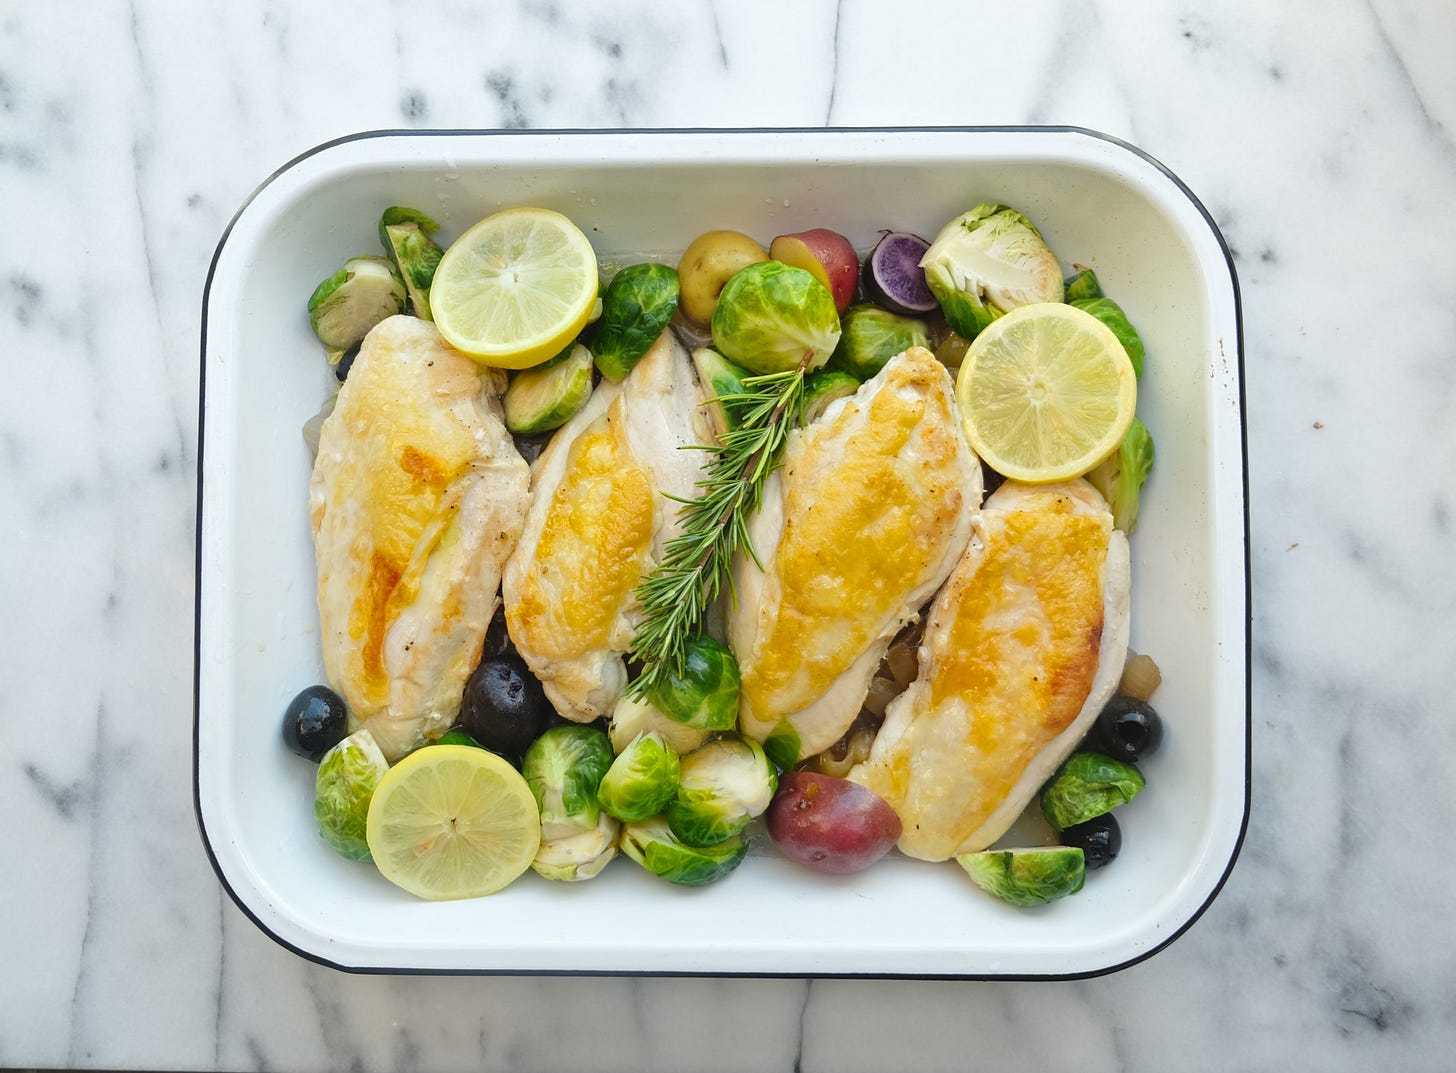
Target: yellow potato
707, 264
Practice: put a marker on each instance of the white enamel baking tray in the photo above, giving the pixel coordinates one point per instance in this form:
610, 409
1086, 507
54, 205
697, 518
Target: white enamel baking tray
1099, 202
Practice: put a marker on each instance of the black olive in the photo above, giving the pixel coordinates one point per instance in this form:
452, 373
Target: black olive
1128, 729
314, 722
345, 363
1099, 839
504, 707
497, 638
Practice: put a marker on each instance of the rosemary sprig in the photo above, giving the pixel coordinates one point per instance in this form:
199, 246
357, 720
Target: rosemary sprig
696, 563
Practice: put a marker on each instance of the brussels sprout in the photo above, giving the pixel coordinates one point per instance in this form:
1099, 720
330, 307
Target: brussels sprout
1027, 876
1120, 476
344, 307
823, 387
1082, 286
636, 307
549, 395
1111, 314
705, 693
632, 718
871, 336
651, 844
987, 263
563, 767
721, 787
347, 776
405, 234
641, 781
722, 380
770, 316
1087, 785
579, 856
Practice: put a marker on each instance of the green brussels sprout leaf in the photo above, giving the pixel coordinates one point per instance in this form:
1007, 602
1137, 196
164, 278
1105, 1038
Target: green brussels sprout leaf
871, 336
783, 745
345, 784
721, 787
1027, 877
563, 767
704, 694
458, 736
636, 307
771, 316
632, 717
641, 781
1086, 786
1082, 286
651, 844
1121, 475
1111, 314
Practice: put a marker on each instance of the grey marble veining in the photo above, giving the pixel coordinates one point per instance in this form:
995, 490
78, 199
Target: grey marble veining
1322, 138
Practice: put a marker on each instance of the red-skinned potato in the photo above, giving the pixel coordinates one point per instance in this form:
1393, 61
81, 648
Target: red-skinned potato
827, 255
830, 825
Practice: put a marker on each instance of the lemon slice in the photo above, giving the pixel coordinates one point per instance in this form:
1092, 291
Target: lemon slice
1046, 392
453, 821
516, 288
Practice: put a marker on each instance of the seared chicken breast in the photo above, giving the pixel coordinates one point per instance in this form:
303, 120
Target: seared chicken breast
599, 520
865, 519
417, 498
1022, 648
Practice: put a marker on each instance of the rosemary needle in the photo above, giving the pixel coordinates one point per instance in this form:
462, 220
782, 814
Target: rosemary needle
695, 564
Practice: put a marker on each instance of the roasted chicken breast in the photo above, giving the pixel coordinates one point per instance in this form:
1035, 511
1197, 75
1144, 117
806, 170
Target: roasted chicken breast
865, 519
598, 523
1022, 648
417, 498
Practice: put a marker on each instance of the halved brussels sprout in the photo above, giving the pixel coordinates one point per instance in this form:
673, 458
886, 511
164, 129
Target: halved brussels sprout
722, 380
641, 781
823, 387
705, 694
344, 307
651, 844
579, 856
1027, 876
871, 336
405, 234
563, 767
1086, 786
632, 718
1121, 475
986, 263
549, 395
721, 787
770, 316
636, 306
345, 784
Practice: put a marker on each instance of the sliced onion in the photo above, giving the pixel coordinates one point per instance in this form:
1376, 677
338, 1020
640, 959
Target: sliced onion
314, 425
1140, 676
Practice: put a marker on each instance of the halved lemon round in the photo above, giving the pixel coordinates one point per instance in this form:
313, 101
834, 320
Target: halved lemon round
516, 288
1046, 392
453, 821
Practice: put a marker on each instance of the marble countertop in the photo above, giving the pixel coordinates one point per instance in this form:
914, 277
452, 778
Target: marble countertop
1319, 136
